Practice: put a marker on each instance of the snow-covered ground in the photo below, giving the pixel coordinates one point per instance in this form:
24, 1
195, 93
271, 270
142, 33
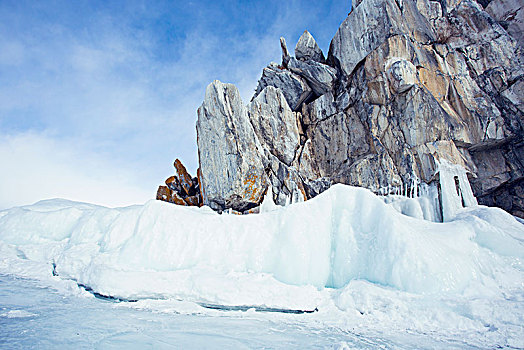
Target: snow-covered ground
371, 273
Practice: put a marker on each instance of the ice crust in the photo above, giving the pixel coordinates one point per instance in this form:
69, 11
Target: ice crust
344, 234
345, 250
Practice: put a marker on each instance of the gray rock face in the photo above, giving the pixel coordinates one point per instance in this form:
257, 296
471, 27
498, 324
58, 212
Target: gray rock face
295, 88
320, 109
402, 75
337, 142
287, 185
306, 163
407, 85
374, 171
432, 10
307, 49
232, 171
319, 76
316, 187
487, 45
370, 24
510, 15
355, 3
275, 124
285, 52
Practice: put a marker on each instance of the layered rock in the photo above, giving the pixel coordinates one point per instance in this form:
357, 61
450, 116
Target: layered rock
407, 85
370, 24
232, 171
433, 92
301, 79
295, 88
275, 124
307, 49
509, 14
320, 77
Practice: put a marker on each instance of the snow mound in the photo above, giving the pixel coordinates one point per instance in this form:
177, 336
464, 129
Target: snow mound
160, 250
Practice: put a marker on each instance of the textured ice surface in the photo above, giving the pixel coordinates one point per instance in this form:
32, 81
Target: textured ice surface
32, 316
364, 265
52, 320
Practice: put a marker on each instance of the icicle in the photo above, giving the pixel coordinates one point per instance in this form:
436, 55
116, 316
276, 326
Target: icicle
268, 204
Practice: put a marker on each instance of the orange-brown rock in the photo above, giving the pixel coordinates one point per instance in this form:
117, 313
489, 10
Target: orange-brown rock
177, 199
163, 193
181, 189
193, 201
185, 179
170, 180
201, 193
302, 192
255, 210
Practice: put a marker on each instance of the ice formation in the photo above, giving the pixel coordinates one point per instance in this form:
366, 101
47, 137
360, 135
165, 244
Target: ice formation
268, 204
455, 189
435, 202
333, 252
425, 205
346, 233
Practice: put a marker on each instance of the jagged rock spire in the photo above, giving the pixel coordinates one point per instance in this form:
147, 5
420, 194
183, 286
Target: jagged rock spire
231, 167
307, 49
285, 53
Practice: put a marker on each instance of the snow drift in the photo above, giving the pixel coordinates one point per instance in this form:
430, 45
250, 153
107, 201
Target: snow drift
346, 233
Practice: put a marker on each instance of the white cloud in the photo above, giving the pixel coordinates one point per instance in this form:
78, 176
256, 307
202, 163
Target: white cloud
38, 167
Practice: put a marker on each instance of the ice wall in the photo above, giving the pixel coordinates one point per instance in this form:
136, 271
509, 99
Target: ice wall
344, 234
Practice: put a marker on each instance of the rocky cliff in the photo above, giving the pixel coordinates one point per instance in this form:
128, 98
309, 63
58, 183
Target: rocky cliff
406, 85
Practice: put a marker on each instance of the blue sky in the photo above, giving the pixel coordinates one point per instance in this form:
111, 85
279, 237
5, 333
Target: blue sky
97, 98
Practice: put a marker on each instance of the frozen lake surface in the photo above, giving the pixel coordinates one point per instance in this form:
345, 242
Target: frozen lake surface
39, 317
32, 316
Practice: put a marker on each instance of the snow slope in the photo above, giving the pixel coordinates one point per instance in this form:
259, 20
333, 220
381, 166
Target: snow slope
345, 252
